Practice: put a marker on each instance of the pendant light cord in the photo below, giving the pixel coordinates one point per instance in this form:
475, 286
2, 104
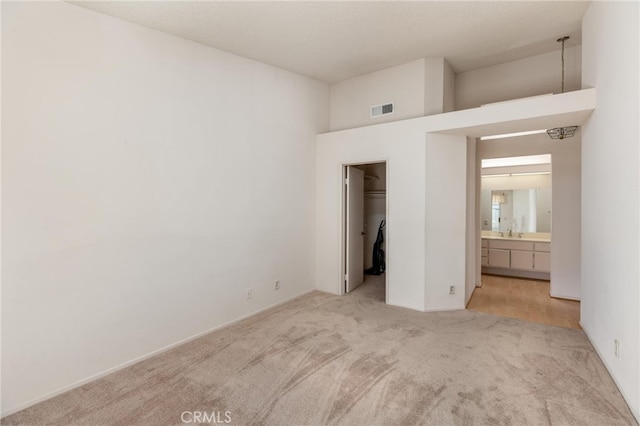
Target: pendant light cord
563, 66
563, 39
569, 131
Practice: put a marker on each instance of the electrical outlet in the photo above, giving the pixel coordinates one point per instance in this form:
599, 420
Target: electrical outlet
616, 348
278, 285
249, 293
452, 289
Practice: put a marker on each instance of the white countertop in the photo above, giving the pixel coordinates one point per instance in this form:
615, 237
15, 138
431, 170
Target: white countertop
515, 238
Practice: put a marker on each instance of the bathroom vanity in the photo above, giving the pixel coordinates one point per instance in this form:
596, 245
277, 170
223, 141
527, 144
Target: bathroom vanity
527, 257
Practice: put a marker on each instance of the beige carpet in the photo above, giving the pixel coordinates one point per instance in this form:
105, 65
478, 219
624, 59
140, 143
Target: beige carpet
353, 360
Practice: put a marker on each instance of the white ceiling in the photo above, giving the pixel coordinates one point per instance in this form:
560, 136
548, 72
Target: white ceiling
333, 41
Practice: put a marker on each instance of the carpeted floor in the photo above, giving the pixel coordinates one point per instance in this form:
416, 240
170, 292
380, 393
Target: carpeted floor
352, 360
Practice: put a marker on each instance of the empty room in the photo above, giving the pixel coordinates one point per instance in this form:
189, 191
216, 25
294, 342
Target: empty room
320, 213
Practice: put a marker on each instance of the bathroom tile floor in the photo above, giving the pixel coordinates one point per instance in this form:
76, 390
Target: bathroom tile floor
524, 299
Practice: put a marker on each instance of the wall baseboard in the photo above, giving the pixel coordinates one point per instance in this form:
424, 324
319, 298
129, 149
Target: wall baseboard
470, 296
444, 309
545, 276
635, 413
560, 296
126, 364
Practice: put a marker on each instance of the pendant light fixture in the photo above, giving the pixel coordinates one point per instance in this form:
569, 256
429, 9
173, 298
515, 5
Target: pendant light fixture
498, 198
562, 132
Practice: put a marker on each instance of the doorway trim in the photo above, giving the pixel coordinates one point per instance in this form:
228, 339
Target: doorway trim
343, 220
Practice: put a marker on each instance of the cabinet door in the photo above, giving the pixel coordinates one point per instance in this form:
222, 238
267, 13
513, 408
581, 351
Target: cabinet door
522, 260
543, 247
485, 261
499, 258
542, 262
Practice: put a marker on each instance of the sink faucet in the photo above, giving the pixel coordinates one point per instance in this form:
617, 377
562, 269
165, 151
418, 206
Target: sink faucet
502, 234
510, 233
520, 235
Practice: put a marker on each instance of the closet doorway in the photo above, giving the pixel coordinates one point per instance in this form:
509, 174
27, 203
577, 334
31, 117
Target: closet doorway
365, 229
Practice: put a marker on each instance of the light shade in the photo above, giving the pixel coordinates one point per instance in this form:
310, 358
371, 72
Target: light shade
562, 132
497, 199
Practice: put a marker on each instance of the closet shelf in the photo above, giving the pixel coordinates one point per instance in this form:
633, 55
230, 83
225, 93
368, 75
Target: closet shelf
379, 192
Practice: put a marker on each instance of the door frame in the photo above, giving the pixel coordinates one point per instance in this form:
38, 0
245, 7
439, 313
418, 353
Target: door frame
343, 221
478, 210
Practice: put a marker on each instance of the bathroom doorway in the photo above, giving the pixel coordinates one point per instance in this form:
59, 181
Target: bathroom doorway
365, 227
516, 240
515, 213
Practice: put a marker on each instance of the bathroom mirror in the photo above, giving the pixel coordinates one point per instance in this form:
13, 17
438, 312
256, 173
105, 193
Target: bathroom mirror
516, 194
521, 210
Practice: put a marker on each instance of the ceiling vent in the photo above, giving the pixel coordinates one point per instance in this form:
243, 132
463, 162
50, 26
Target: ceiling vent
380, 110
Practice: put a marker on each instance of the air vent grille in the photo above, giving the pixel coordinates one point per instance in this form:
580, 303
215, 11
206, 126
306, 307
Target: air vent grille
380, 110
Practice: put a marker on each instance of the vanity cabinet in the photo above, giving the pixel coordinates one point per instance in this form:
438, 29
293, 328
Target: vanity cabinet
522, 260
543, 247
542, 262
513, 257
499, 258
484, 256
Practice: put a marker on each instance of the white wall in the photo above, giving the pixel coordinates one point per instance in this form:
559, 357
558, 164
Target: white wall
351, 99
449, 88
419, 167
427, 160
439, 81
404, 150
147, 182
536, 75
446, 221
610, 198
473, 224
418, 88
565, 181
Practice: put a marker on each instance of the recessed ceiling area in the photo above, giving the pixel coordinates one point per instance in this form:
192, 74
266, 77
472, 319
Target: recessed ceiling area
524, 160
334, 41
526, 165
